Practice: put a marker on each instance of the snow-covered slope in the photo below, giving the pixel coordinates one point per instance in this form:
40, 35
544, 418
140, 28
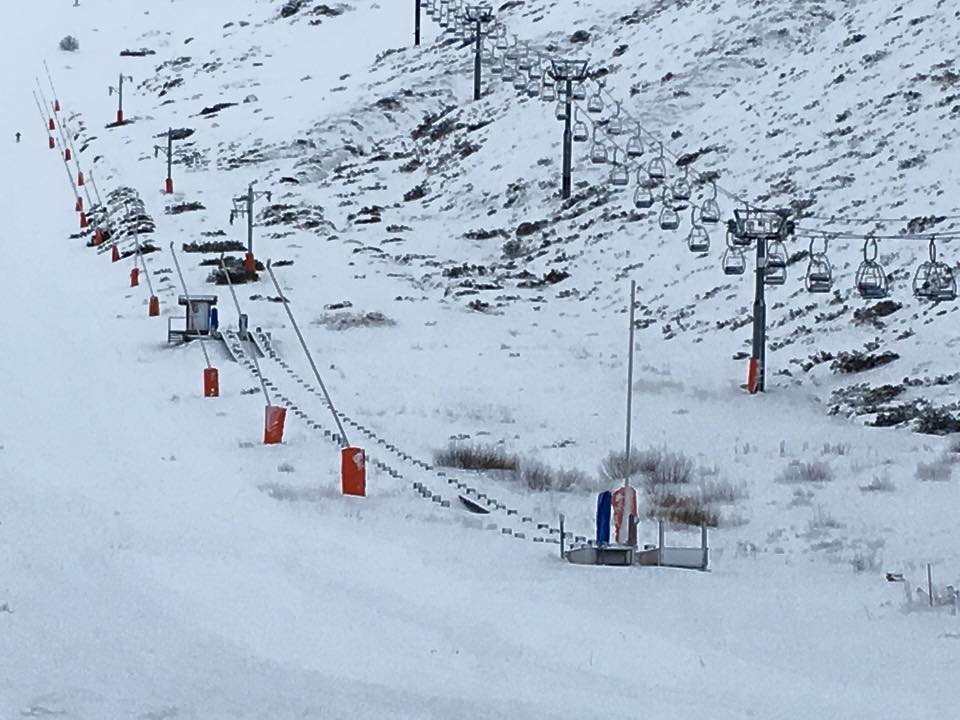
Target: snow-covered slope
159, 562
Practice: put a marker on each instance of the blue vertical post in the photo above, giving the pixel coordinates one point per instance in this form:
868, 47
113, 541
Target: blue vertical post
603, 517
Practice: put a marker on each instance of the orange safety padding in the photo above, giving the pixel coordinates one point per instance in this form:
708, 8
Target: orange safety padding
67, 155
53, 125
752, 375
273, 425
78, 205
115, 254
80, 178
119, 117
250, 263
169, 186
154, 306
353, 471
83, 220
98, 237
51, 143
134, 277
56, 105
211, 382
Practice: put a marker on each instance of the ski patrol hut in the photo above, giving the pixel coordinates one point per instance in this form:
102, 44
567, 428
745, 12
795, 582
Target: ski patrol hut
201, 318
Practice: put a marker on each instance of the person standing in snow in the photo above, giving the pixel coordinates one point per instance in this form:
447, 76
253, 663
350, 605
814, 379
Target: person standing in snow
18, 136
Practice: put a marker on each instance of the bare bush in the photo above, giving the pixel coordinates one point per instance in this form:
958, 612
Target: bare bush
720, 492
823, 520
806, 472
880, 483
475, 457
69, 44
865, 562
540, 478
682, 509
937, 471
666, 468
614, 468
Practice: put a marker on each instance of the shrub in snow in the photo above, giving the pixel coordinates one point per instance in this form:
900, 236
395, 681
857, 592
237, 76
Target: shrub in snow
880, 483
69, 44
806, 472
475, 457
938, 471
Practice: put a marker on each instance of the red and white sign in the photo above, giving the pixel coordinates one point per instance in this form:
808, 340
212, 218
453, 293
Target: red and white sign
624, 503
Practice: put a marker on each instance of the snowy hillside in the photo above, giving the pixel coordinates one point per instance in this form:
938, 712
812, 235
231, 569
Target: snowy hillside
158, 561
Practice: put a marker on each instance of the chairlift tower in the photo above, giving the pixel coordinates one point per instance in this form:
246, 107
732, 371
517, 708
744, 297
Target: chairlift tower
479, 15
119, 91
417, 4
762, 227
568, 72
157, 149
243, 206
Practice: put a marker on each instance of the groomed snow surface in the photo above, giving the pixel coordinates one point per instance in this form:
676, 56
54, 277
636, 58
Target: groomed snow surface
158, 562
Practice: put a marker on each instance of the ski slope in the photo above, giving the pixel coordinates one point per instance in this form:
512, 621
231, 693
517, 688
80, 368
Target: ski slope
159, 562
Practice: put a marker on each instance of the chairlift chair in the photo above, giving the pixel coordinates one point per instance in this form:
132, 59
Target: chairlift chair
503, 42
496, 62
579, 91
513, 50
561, 110
775, 270
657, 168
635, 145
508, 70
710, 210
533, 87
598, 151
669, 218
548, 91
935, 280
681, 188
643, 198
615, 124
871, 278
595, 103
819, 278
698, 241
619, 175
525, 61
520, 81
580, 131
733, 261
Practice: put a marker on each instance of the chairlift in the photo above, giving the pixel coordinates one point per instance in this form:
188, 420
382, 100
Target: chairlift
698, 241
496, 62
533, 87
681, 188
734, 262
561, 110
669, 218
635, 145
643, 198
935, 280
819, 277
615, 124
871, 278
619, 175
580, 131
595, 103
503, 43
513, 50
579, 91
525, 61
710, 210
598, 150
657, 168
775, 270
508, 70
548, 91
520, 81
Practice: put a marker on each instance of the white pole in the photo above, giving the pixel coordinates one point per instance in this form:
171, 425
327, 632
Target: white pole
633, 298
